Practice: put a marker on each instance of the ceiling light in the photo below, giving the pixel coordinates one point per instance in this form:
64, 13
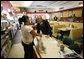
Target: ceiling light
9, 10
80, 3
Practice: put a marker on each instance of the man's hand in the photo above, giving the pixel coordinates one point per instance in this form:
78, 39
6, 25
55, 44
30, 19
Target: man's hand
40, 35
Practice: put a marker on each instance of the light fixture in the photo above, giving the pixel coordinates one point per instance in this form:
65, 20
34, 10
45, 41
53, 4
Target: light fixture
17, 9
9, 10
35, 11
80, 3
46, 11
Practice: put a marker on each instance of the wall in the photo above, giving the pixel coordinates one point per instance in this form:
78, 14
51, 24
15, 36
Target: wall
67, 13
44, 15
55, 14
78, 12
62, 13
77, 25
37, 9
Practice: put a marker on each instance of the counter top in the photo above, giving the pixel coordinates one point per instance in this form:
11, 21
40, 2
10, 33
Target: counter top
52, 48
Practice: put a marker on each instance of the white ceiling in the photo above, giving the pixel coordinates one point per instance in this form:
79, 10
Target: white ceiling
21, 3
45, 4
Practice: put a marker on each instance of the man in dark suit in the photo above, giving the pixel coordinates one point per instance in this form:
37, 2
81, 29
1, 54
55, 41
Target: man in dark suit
44, 26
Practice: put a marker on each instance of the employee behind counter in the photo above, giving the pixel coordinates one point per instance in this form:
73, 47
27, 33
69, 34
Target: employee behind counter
28, 34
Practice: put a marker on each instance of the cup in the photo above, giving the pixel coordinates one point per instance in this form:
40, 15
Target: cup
62, 48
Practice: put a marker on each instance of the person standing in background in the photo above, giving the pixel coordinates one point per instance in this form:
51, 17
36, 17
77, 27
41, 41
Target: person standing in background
28, 33
74, 18
55, 18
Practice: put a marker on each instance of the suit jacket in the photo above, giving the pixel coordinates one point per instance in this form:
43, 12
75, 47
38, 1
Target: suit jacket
44, 27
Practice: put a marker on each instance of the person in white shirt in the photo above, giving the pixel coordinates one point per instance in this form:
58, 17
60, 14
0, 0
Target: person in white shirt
28, 34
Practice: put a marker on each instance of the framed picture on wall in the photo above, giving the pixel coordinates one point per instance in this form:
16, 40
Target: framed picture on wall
70, 13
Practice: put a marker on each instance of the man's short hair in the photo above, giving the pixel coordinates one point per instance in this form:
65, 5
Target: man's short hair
39, 17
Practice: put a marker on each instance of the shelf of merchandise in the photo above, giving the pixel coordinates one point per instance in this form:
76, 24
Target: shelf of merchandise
6, 41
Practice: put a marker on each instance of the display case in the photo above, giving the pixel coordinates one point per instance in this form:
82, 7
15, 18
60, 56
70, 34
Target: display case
6, 44
7, 36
